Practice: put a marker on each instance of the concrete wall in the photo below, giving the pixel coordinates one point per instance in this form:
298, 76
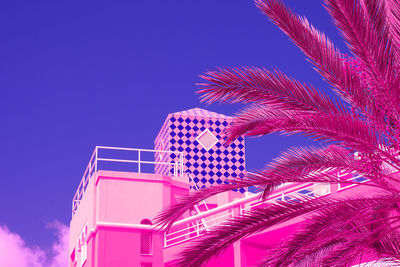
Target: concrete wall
114, 206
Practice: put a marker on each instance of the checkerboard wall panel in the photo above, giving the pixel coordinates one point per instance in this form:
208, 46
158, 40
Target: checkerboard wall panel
161, 143
217, 165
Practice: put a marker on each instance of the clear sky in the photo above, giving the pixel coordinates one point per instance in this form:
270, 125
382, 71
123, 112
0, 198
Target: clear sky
76, 74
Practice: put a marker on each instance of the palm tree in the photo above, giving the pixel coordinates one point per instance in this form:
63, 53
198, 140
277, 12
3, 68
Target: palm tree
364, 118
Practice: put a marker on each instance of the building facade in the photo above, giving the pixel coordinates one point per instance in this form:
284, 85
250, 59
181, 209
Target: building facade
123, 189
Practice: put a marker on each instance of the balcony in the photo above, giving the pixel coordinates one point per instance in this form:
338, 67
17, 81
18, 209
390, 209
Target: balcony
135, 160
198, 224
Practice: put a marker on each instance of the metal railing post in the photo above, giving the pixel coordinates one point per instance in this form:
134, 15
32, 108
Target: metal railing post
139, 161
181, 164
95, 160
89, 172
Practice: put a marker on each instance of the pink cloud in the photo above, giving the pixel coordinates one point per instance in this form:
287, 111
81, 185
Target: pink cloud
59, 256
14, 252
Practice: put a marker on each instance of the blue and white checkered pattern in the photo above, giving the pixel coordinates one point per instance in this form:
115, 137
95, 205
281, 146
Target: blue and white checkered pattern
220, 164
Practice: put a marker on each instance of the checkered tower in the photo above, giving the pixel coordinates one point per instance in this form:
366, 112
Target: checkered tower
197, 133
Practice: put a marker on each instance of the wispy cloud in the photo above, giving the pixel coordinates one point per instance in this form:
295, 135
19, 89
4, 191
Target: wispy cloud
59, 257
14, 251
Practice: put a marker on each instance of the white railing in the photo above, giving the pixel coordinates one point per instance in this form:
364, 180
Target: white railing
197, 225
159, 157
351, 177
196, 228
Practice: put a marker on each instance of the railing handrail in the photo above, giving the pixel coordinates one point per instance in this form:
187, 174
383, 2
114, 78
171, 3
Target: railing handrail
289, 190
137, 149
204, 217
240, 201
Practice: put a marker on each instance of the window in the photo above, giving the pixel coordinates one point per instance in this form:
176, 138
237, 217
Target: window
348, 176
322, 189
83, 254
82, 245
207, 139
146, 237
145, 242
73, 255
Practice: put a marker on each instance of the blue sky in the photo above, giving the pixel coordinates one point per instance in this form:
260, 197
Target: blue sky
76, 74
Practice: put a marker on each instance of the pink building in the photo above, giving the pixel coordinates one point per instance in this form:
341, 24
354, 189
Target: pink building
123, 189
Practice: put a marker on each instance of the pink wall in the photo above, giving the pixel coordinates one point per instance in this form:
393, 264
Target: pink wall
83, 215
121, 247
113, 206
129, 197
225, 259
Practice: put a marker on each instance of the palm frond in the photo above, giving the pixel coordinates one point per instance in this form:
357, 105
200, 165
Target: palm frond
348, 82
258, 220
372, 47
258, 85
393, 21
309, 164
167, 217
327, 59
365, 30
359, 244
342, 128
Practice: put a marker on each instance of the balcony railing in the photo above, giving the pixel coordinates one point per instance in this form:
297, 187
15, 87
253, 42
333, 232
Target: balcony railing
198, 224
130, 160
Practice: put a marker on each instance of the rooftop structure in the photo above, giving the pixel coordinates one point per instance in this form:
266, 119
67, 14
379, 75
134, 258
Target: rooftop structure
197, 133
